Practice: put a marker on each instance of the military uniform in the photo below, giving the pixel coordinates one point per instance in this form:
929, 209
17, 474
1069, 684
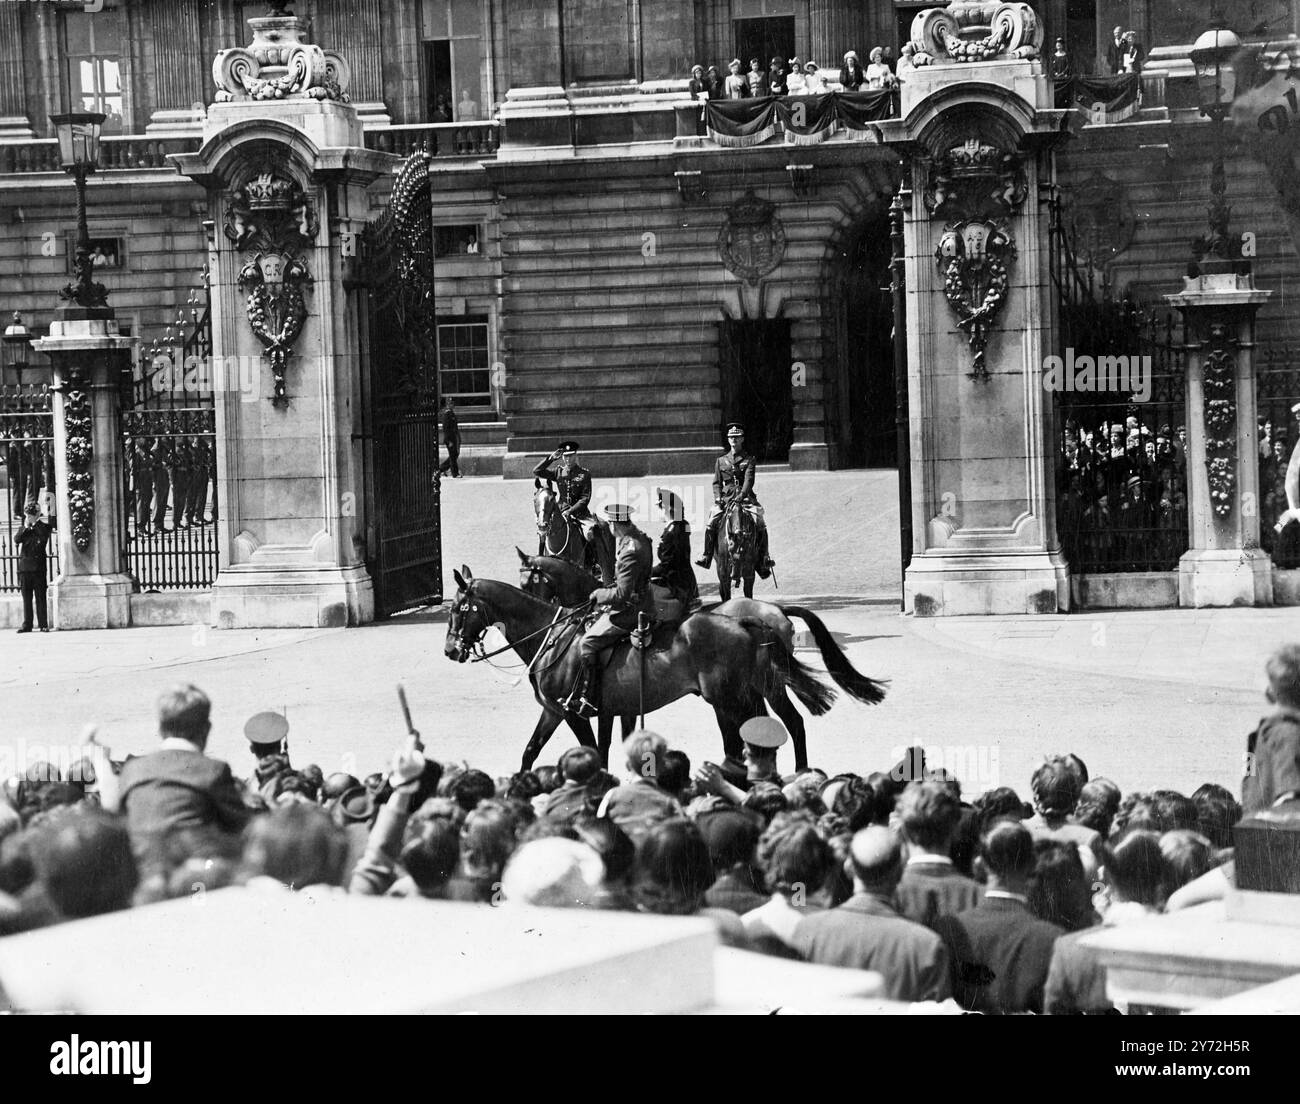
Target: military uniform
573, 488
733, 480
673, 555
619, 606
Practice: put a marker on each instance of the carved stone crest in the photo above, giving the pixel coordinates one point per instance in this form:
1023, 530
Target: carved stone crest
974, 258
975, 180
752, 240
1101, 218
271, 217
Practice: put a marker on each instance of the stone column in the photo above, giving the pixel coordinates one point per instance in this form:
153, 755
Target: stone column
93, 590
835, 27
1225, 565
285, 175
179, 85
14, 122
359, 25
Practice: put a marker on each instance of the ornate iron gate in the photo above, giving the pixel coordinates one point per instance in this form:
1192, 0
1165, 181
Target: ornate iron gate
1121, 466
169, 445
404, 553
27, 454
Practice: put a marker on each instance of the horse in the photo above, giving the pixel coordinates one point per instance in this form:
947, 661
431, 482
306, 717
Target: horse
735, 666
558, 581
560, 536
737, 551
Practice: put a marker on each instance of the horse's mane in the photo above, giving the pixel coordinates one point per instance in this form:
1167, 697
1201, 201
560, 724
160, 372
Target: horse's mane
485, 587
553, 563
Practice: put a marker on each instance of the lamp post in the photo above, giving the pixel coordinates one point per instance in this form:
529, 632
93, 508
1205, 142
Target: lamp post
1213, 58
16, 337
78, 133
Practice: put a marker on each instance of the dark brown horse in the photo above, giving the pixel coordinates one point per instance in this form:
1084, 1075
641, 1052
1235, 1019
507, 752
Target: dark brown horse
558, 581
735, 666
737, 551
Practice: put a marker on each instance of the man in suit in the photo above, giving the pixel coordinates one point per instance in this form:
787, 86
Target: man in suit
1000, 951
178, 788
1116, 50
617, 606
867, 933
450, 438
931, 886
733, 482
32, 541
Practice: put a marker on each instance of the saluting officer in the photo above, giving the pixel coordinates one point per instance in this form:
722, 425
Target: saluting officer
733, 481
618, 607
573, 486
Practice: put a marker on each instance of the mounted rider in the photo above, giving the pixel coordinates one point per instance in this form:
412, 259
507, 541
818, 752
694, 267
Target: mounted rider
616, 606
672, 567
573, 488
733, 481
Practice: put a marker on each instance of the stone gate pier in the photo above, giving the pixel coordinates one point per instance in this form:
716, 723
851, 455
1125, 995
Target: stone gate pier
977, 129
285, 169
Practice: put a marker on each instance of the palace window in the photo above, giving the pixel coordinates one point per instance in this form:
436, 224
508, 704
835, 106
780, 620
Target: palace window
93, 48
464, 366
457, 241
453, 58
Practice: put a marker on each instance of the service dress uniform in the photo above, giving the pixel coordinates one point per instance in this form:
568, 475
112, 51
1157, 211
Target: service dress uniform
733, 481
573, 488
618, 607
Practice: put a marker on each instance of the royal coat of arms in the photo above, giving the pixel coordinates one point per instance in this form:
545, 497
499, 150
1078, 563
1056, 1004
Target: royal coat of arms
752, 240
1101, 218
974, 259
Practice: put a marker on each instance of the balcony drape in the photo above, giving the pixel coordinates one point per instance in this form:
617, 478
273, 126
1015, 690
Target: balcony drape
1105, 99
805, 120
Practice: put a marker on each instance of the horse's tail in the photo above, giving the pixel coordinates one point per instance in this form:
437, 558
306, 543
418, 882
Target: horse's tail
847, 678
813, 694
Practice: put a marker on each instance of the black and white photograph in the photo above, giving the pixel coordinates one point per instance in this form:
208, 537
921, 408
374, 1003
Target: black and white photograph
650, 507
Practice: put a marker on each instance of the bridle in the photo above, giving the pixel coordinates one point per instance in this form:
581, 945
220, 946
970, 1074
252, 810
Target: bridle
545, 516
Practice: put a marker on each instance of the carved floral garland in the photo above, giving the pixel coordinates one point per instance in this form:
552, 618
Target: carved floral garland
1220, 428
80, 453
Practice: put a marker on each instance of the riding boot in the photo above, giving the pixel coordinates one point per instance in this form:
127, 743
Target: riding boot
710, 545
765, 562
586, 689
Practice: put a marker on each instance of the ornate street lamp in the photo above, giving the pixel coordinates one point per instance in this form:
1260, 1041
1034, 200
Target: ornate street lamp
79, 155
17, 339
1214, 59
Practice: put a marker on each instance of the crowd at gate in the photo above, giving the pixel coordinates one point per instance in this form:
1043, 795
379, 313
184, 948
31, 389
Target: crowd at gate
970, 900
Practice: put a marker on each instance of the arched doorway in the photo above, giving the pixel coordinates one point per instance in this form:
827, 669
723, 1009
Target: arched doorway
866, 347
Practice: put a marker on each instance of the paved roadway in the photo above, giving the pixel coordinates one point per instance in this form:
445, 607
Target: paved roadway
1150, 699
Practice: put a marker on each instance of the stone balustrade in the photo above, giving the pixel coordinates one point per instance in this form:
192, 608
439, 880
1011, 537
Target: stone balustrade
126, 152
477, 139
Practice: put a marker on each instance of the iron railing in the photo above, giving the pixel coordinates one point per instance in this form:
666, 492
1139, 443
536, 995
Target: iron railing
1277, 390
1121, 463
171, 502
27, 454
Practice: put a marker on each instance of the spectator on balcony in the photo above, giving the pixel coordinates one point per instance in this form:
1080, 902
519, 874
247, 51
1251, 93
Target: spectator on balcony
698, 87
736, 86
795, 83
757, 80
814, 82
1134, 54
714, 84
852, 75
467, 109
879, 75
776, 78
1115, 51
442, 110
1060, 61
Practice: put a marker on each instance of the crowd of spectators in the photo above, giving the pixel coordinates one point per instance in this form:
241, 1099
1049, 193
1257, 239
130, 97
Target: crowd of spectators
795, 77
982, 901
1115, 485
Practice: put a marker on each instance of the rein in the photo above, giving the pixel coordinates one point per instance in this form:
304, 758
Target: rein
581, 611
